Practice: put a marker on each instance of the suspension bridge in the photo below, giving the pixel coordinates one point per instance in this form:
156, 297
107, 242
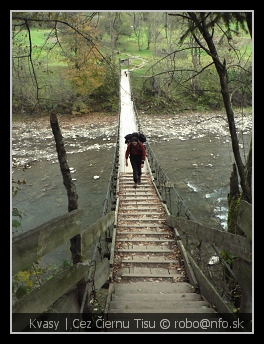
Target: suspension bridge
145, 253
148, 273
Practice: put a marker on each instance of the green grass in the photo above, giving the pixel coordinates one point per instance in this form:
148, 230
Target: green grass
43, 49
39, 36
128, 47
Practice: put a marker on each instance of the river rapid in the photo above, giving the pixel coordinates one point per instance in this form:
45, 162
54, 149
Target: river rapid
193, 149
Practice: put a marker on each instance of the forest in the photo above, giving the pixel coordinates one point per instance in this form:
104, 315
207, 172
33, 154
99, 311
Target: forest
70, 61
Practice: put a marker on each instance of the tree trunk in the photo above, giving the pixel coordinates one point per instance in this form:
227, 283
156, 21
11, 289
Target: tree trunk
223, 77
234, 188
69, 185
233, 203
249, 168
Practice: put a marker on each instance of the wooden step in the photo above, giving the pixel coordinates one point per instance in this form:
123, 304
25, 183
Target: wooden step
144, 240
138, 220
153, 287
137, 190
136, 213
154, 260
148, 272
156, 305
140, 232
140, 225
139, 196
145, 250
157, 297
138, 205
153, 201
191, 310
142, 217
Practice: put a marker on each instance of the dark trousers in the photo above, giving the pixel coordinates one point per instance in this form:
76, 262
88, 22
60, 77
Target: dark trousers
136, 166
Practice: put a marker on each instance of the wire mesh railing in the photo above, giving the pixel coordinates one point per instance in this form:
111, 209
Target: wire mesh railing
220, 274
102, 246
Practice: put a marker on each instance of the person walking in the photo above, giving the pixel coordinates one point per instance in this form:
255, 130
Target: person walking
137, 155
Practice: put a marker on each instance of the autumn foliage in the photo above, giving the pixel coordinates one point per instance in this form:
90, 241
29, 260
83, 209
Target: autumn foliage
86, 69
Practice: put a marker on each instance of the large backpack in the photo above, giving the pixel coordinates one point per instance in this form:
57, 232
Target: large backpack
141, 137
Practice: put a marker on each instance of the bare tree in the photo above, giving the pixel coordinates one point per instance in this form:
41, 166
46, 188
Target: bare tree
204, 23
29, 84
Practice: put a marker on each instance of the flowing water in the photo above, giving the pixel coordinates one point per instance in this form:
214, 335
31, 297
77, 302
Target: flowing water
199, 168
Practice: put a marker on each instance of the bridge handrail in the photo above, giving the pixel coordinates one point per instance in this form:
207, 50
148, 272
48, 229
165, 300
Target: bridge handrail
161, 179
108, 205
164, 187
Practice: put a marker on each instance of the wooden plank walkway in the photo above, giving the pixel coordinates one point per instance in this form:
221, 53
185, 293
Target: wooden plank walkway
147, 270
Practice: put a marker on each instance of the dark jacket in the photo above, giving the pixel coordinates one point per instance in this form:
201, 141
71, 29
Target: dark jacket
139, 149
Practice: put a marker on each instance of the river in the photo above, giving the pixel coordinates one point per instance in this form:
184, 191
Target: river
195, 153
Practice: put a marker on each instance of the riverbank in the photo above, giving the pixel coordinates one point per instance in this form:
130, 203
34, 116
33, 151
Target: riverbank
65, 121
157, 128
150, 121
